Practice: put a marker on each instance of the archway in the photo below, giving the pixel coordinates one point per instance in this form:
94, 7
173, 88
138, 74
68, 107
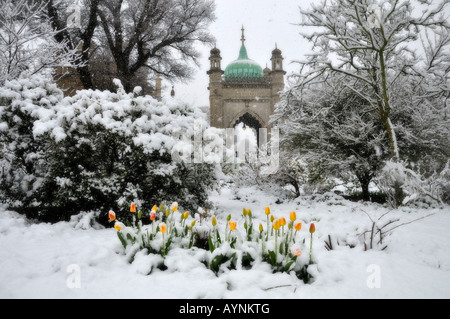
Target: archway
251, 122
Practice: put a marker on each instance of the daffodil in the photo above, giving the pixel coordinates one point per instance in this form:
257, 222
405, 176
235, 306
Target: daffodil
119, 226
174, 206
312, 230
261, 229
283, 223
163, 229
153, 218
232, 226
295, 250
112, 216
267, 211
133, 208
277, 225
293, 216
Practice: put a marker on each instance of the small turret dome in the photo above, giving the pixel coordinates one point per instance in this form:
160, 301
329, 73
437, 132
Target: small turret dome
215, 51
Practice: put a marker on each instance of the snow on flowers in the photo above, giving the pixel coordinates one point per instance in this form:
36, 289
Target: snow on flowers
239, 244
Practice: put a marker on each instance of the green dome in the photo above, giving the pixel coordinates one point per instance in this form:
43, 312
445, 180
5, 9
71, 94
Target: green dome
243, 67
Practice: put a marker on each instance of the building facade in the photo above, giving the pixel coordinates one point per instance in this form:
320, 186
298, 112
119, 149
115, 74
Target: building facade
244, 92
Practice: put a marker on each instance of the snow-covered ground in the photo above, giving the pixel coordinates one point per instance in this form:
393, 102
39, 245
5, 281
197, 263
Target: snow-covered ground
45, 261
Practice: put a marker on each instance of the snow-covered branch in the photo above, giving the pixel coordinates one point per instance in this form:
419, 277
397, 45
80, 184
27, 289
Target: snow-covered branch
27, 42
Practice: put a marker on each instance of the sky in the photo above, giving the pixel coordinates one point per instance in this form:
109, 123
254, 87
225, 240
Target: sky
266, 23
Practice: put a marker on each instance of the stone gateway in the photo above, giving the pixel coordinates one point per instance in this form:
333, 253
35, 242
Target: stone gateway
244, 92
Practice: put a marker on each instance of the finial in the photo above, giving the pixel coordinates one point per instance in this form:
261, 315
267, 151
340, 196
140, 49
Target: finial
243, 36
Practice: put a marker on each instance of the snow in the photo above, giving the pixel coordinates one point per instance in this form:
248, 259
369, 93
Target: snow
41, 260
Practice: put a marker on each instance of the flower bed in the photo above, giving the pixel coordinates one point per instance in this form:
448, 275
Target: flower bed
224, 245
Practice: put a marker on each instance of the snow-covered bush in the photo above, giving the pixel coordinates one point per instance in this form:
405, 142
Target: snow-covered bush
112, 148
416, 186
97, 151
22, 165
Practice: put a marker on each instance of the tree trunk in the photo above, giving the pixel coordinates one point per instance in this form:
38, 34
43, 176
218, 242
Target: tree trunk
364, 181
85, 77
297, 188
385, 109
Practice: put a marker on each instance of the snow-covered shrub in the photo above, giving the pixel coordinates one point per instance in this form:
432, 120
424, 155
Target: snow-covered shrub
109, 149
416, 186
22, 164
96, 151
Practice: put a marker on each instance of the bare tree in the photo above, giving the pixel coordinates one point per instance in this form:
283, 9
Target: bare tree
155, 34
372, 49
27, 41
57, 10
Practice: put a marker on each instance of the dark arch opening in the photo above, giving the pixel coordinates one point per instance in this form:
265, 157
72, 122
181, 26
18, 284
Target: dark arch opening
250, 121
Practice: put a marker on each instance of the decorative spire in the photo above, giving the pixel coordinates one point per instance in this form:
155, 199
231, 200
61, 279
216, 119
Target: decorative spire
243, 35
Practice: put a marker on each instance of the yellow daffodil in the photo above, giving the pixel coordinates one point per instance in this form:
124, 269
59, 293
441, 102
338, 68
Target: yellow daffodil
133, 208
232, 225
298, 226
119, 226
267, 211
293, 216
277, 224
162, 228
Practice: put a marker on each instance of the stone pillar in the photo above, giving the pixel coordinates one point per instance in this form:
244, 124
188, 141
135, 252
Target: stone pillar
158, 88
277, 76
215, 89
